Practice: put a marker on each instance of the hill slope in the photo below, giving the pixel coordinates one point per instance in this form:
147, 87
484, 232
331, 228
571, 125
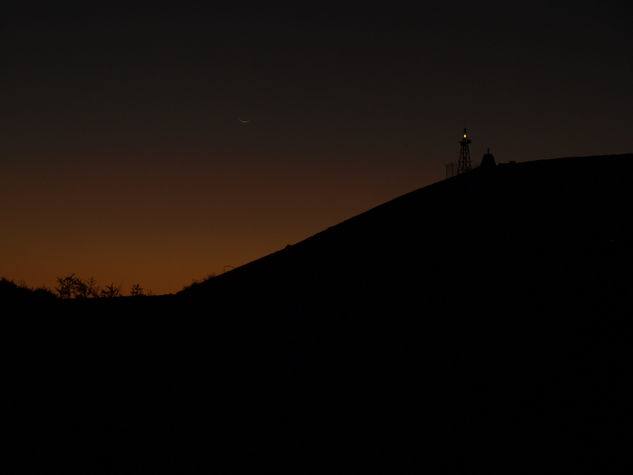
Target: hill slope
468, 237
483, 322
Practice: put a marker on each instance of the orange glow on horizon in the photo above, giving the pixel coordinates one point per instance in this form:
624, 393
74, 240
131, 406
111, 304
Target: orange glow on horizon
179, 220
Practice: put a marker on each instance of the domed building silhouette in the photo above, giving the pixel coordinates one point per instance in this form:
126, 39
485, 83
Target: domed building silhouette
488, 161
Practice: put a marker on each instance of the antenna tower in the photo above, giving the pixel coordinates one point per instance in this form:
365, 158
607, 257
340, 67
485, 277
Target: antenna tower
463, 164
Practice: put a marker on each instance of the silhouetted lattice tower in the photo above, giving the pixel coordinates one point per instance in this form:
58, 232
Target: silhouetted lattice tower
463, 164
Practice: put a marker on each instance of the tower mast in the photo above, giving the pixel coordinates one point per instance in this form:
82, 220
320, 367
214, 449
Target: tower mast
464, 164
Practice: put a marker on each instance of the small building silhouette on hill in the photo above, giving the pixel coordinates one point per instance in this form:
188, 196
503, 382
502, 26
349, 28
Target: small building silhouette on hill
488, 161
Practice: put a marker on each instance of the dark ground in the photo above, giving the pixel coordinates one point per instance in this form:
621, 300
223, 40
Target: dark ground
479, 324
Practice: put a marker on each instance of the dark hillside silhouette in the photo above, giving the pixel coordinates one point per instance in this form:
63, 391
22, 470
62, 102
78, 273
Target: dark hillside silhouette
482, 323
477, 236
10, 292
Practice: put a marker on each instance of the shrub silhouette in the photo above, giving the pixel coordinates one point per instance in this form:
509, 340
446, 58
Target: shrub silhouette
70, 287
73, 287
66, 286
196, 282
137, 290
110, 291
92, 289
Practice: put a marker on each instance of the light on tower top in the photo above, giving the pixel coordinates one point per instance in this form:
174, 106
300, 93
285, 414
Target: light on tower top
463, 164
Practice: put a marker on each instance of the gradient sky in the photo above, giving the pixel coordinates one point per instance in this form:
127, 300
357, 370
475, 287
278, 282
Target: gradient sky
122, 155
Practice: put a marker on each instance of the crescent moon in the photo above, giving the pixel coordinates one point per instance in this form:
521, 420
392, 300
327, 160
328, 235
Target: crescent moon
244, 121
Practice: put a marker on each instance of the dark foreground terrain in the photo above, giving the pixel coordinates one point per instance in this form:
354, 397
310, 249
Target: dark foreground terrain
479, 324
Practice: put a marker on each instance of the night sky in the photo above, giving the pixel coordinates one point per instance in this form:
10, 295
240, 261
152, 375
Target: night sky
159, 145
